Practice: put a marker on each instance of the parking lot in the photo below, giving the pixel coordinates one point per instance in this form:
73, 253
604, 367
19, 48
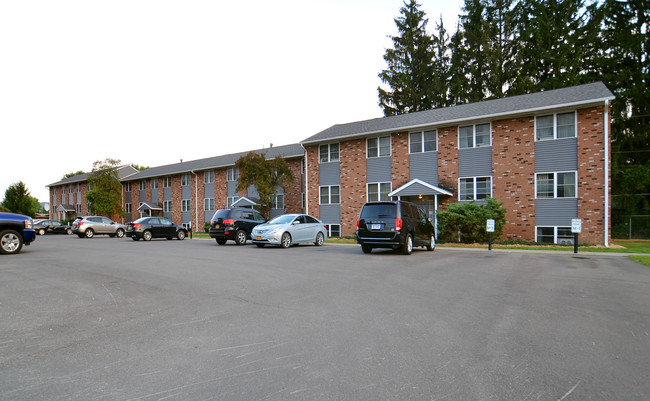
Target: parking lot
114, 319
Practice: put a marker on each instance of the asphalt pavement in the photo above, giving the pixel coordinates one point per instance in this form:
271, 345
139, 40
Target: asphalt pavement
114, 319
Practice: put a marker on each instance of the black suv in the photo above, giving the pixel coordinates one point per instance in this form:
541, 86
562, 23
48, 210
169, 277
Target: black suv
397, 225
234, 224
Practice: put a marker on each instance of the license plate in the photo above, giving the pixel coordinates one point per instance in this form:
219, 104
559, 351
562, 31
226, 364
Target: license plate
216, 226
258, 237
375, 226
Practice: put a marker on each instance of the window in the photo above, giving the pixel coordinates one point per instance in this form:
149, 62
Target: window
143, 185
127, 187
167, 206
167, 182
334, 230
79, 189
329, 153
186, 205
474, 136
208, 177
185, 180
232, 199
154, 183
475, 188
330, 195
78, 208
554, 235
127, 207
555, 126
208, 204
233, 174
423, 141
378, 191
70, 188
378, 147
556, 185
278, 201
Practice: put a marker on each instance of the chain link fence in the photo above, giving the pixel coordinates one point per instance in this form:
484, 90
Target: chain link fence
632, 227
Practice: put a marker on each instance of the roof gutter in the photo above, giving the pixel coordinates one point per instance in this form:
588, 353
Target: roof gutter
606, 132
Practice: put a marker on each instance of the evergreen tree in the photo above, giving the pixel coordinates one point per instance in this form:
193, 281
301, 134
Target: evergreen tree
476, 49
18, 200
502, 46
410, 72
266, 175
441, 64
458, 81
105, 196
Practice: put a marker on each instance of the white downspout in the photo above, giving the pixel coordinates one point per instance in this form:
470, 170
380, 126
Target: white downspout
196, 201
306, 182
606, 131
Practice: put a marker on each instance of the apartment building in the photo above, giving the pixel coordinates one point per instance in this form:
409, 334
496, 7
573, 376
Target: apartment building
544, 155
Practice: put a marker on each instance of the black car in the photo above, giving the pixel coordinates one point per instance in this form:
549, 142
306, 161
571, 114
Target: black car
397, 225
234, 224
43, 227
154, 227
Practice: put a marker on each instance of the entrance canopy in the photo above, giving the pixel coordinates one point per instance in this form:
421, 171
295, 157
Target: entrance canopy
418, 187
65, 208
245, 202
150, 206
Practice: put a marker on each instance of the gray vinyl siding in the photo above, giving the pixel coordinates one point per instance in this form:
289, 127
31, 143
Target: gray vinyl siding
330, 173
556, 155
186, 192
127, 198
168, 215
555, 212
379, 169
143, 196
187, 217
424, 166
475, 162
330, 214
154, 195
232, 188
168, 193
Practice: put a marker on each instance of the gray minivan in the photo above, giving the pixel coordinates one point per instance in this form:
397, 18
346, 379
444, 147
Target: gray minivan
399, 225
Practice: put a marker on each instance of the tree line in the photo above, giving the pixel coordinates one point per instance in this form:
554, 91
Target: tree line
511, 47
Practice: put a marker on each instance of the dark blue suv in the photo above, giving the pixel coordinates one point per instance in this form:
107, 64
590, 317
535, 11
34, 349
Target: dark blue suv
16, 230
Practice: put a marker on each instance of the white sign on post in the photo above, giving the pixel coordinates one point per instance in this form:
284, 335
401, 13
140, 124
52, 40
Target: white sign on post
490, 226
576, 226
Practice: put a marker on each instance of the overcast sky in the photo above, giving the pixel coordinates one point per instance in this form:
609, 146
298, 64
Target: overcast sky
152, 82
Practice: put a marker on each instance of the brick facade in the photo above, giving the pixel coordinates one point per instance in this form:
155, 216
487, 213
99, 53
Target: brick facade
448, 164
353, 183
293, 192
400, 159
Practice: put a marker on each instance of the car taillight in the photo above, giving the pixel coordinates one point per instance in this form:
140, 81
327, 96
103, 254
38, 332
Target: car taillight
357, 224
229, 222
398, 224
137, 225
80, 223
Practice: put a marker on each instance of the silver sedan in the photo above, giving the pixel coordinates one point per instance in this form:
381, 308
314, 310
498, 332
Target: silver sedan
290, 229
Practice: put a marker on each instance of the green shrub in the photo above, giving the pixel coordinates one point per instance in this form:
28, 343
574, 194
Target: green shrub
468, 220
206, 226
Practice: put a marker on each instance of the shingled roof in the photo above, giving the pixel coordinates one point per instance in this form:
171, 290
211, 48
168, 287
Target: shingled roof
122, 172
286, 151
582, 95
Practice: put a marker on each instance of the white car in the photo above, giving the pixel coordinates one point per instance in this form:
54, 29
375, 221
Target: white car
290, 229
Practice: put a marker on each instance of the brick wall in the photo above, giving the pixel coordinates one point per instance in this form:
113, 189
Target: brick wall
293, 191
513, 174
591, 175
135, 200
84, 202
353, 183
198, 210
448, 164
400, 159
313, 180
220, 189
177, 197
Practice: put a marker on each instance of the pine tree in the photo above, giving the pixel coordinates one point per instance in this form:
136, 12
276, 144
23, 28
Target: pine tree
441, 65
502, 46
410, 73
18, 200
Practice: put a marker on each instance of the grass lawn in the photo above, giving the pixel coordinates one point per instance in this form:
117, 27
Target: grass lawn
645, 259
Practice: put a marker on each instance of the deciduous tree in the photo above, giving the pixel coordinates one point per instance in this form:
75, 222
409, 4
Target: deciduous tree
105, 195
266, 175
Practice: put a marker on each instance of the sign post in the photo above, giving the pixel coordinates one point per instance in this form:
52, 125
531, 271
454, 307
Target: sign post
490, 229
576, 228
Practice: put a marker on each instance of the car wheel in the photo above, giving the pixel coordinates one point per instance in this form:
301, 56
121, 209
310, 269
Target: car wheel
180, 235
285, 241
10, 242
41, 232
432, 244
68, 231
221, 241
320, 238
135, 238
260, 245
407, 248
366, 248
240, 237
119, 233
89, 233
147, 235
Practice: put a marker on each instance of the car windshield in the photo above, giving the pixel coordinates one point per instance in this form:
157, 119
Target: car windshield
284, 219
379, 210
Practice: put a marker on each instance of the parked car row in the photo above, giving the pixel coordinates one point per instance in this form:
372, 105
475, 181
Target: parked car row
398, 225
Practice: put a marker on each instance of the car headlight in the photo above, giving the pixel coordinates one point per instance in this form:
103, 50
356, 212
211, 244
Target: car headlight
29, 223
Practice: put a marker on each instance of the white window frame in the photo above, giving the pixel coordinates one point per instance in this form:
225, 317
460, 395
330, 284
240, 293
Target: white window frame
329, 229
208, 177
379, 139
555, 186
330, 158
185, 180
232, 174
186, 205
128, 208
127, 186
79, 189
556, 235
329, 194
154, 183
421, 143
167, 182
231, 199
474, 186
167, 206
278, 201
555, 126
208, 204
474, 145
143, 185
379, 185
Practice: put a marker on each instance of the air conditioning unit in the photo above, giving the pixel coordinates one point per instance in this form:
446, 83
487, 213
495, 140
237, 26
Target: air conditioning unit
566, 241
